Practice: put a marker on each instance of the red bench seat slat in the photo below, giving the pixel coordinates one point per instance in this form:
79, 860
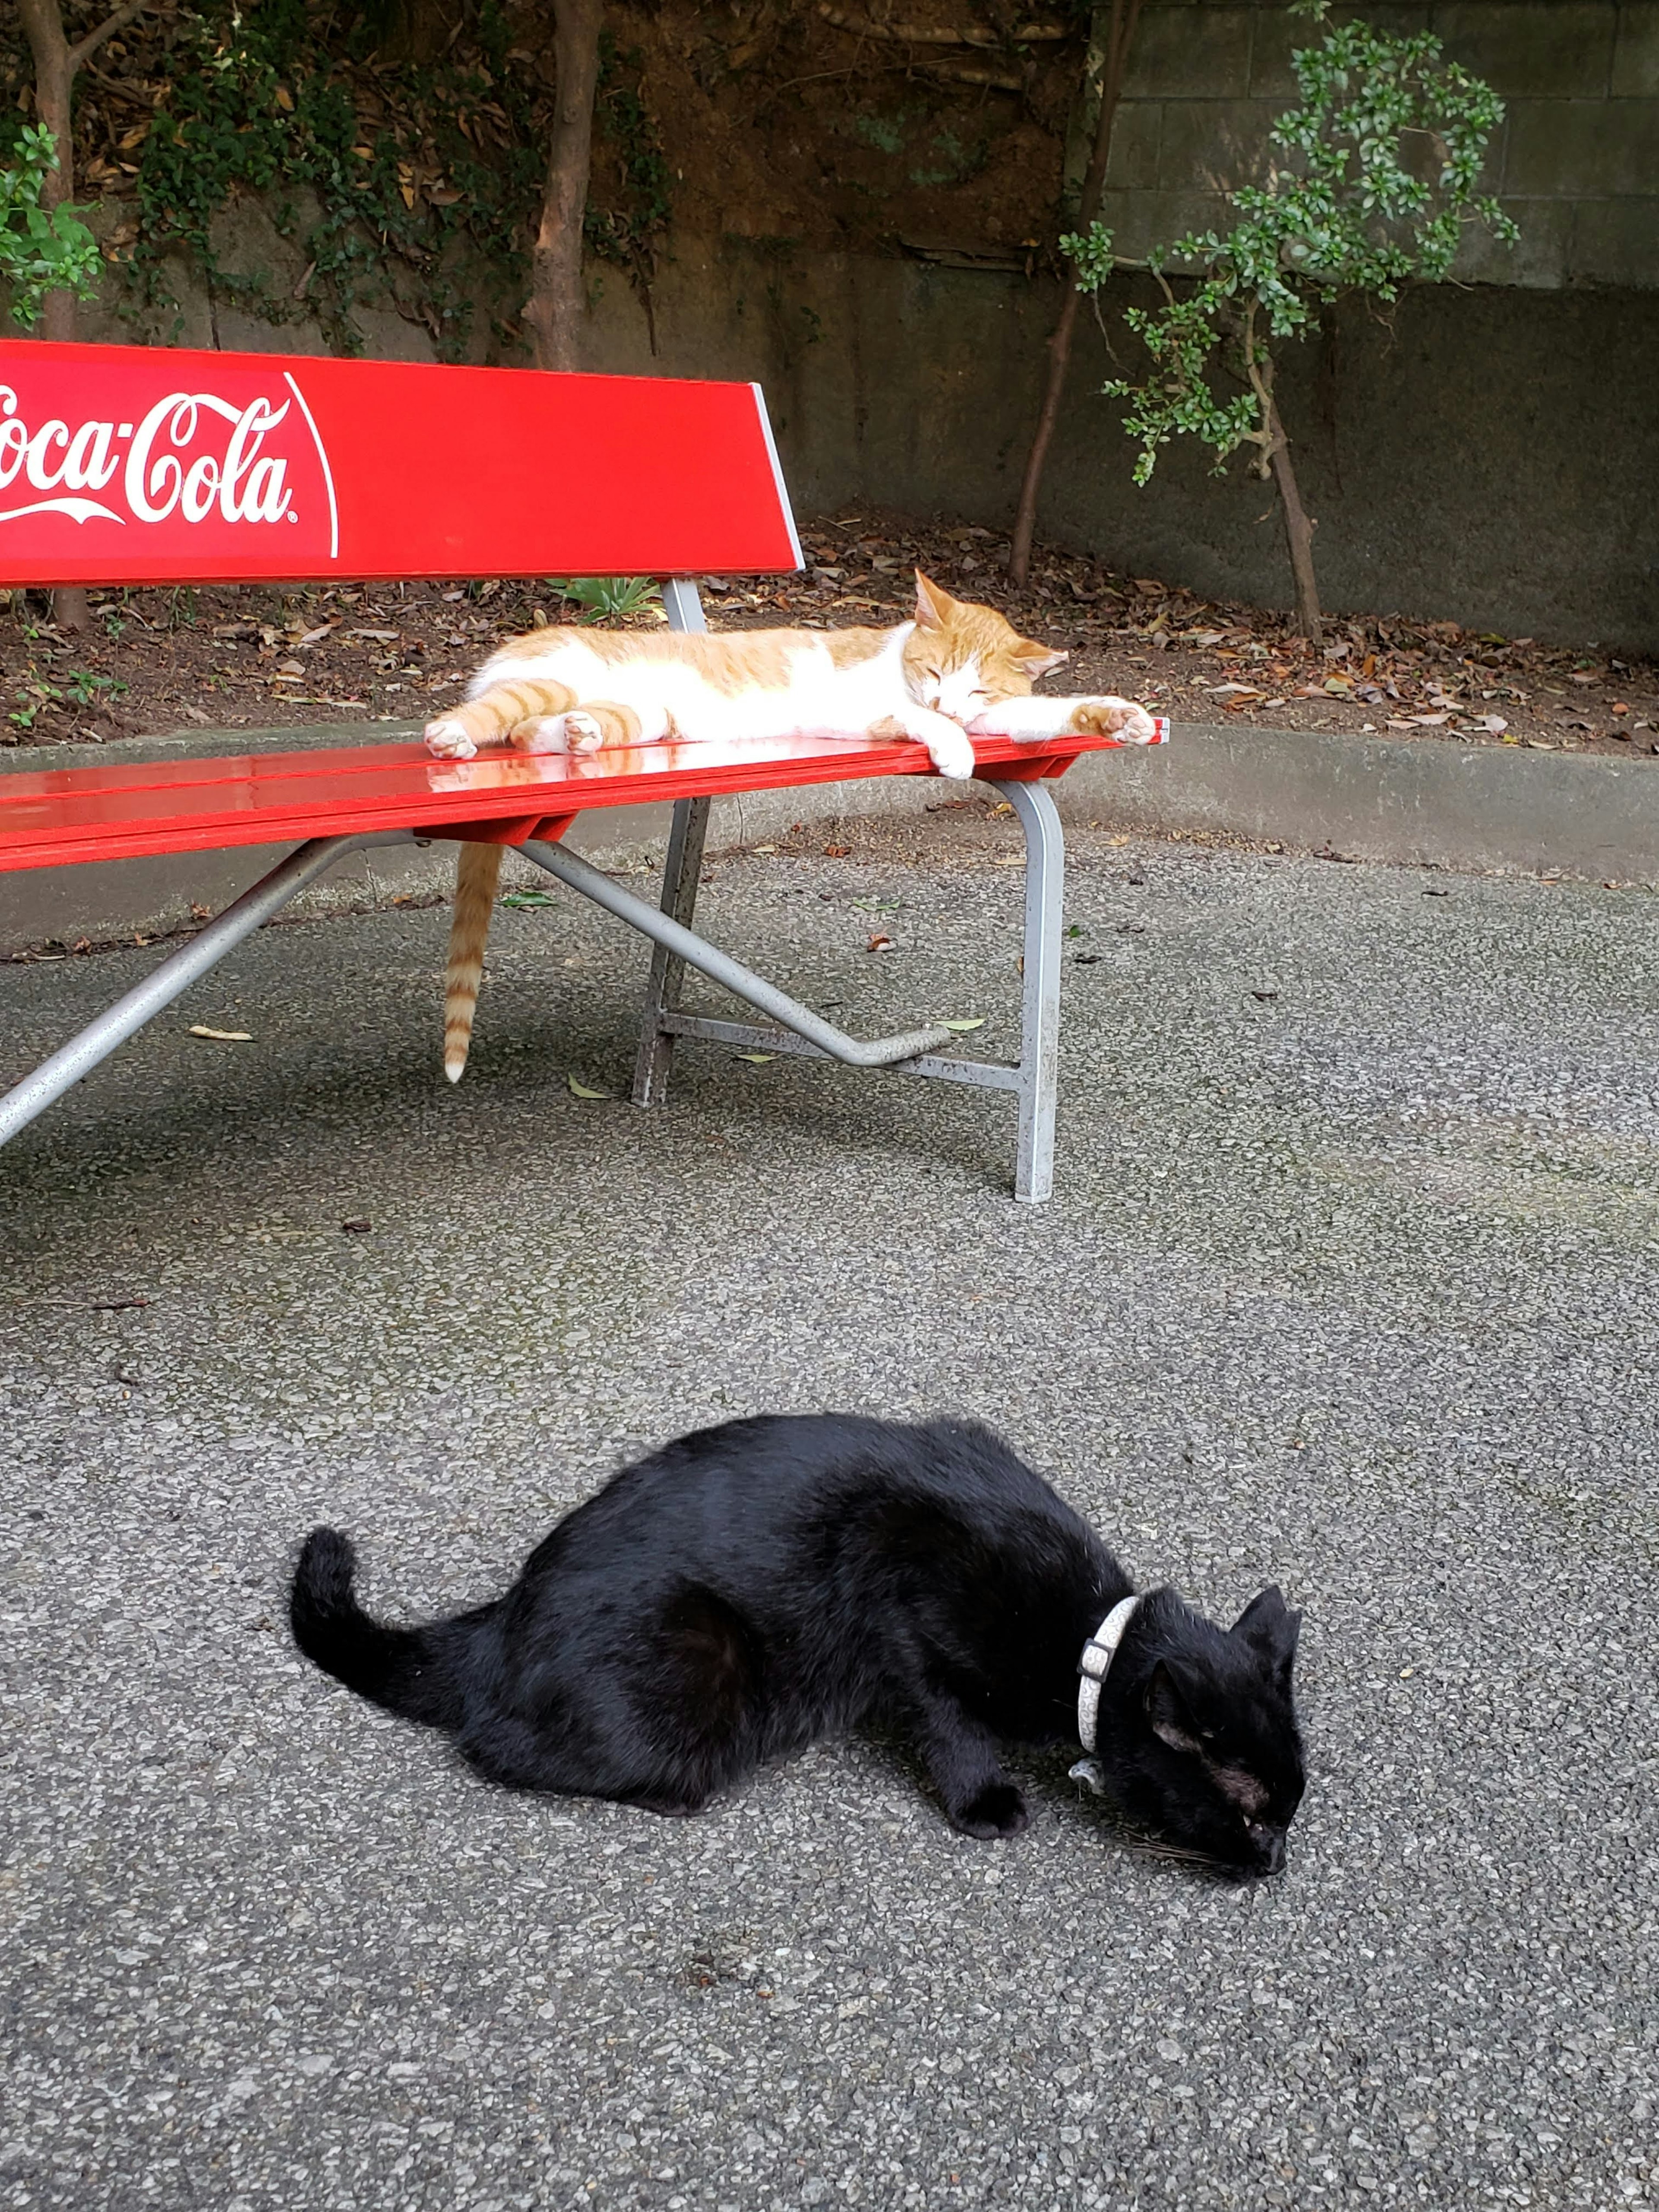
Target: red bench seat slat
124, 811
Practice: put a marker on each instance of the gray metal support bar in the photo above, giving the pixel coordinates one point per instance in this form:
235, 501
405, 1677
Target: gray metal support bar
749, 1037
1039, 1058
651, 921
682, 603
662, 992
176, 973
684, 606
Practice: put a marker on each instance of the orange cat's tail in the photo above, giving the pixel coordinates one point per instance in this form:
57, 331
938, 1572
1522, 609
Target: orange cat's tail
469, 932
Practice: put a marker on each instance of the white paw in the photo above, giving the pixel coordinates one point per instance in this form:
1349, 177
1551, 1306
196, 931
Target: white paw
582, 734
952, 756
1114, 718
448, 740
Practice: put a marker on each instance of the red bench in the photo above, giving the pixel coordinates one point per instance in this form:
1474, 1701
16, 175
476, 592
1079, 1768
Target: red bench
124, 465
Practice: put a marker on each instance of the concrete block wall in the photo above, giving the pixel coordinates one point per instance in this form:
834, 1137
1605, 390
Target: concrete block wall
1575, 161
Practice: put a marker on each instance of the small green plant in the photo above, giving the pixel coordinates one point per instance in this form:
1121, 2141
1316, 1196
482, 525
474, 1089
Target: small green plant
85, 687
41, 250
1372, 185
33, 699
608, 599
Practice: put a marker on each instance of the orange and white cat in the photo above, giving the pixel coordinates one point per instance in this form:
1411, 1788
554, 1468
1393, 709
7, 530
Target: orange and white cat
958, 672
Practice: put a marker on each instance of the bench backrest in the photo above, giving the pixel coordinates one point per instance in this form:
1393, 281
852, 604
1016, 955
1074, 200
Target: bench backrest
136, 464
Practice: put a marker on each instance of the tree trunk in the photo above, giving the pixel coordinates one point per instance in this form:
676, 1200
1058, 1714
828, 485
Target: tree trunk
54, 70
1120, 33
1299, 530
557, 305
55, 64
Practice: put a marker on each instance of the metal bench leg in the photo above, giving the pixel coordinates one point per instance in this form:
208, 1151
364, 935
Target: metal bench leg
1045, 883
662, 992
176, 973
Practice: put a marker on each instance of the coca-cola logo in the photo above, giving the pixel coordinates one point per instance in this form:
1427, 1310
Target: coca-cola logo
191, 457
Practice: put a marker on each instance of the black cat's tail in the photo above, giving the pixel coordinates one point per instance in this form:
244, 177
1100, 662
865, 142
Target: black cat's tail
414, 1672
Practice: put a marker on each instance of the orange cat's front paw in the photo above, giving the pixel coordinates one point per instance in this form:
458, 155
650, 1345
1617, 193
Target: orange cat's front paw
448, 738
584, 732
1113, 717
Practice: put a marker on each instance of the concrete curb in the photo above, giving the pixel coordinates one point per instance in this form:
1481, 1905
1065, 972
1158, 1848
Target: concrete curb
1491, 808
1488, 809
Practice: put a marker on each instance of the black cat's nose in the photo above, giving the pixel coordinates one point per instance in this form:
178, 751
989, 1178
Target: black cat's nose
1270, 1844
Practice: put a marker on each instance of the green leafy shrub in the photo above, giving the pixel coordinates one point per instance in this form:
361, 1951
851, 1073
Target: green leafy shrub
41, 250
1372, 186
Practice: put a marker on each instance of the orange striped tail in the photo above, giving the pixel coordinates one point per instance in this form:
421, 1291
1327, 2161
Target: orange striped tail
475, 880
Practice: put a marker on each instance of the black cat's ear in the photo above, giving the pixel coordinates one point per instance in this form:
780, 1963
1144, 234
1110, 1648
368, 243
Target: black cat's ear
1167, 1710
1268, 1624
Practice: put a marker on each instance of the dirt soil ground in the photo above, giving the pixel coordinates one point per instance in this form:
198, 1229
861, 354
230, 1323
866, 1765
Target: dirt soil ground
262, 658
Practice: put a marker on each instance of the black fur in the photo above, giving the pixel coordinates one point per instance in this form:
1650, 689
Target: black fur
756, 1586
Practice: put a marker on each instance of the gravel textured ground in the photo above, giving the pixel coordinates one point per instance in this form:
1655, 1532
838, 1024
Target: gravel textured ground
1351, 1281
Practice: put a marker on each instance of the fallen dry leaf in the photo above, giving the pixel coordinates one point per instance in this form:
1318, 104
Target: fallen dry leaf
584, 1090
879, 944
757, 1058
221, 1036
962, 1027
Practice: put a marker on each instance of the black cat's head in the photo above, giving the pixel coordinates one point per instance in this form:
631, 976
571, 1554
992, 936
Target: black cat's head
1199, 1739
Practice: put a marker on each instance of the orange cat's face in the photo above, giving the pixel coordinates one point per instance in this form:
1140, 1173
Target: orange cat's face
960, 659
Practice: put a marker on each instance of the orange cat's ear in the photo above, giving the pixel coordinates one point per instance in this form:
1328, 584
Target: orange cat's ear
934, 603
1037, 659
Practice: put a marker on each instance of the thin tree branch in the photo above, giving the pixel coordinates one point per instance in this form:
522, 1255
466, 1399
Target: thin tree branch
925, 35
1115, 61
111, 24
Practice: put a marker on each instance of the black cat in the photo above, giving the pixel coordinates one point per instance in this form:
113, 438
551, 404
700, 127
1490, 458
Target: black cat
756, 1586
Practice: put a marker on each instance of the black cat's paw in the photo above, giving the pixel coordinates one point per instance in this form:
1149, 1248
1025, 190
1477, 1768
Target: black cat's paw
999, 1809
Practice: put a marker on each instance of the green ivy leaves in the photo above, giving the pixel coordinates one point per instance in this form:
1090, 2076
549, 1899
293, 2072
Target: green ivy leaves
41, 250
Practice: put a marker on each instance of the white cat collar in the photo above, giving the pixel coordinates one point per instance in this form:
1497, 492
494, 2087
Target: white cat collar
1096, 1663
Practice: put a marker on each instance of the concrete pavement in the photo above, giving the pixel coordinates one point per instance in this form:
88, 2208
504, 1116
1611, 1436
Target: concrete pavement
1350, 1282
